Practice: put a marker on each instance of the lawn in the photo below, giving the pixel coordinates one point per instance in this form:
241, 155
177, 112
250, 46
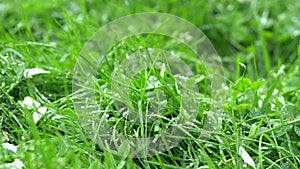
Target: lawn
73, 95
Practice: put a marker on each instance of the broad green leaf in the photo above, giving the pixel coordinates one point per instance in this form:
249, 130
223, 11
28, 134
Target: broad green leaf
243, 85
256, 85
244, 107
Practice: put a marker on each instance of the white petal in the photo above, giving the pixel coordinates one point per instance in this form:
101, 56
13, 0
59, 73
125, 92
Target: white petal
246, 157
260, 103
42, 110
38, 115
29, 103
10, 147
28, 73
17, 164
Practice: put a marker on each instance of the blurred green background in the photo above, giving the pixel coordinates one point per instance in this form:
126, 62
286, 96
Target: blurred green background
265, 32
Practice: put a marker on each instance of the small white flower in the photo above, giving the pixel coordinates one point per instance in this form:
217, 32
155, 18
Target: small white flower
281, 70
28, 73
29, 103
17, 164
38, 115
10, 147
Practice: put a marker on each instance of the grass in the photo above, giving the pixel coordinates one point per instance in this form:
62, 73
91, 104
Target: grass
258, 42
